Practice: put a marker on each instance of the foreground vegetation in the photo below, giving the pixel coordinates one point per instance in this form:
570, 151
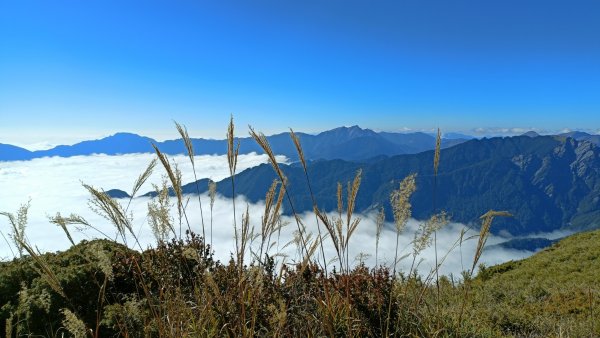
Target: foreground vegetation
104, 288
177, 290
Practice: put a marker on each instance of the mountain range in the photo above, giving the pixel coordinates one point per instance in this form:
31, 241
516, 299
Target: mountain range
547, 182
347, 143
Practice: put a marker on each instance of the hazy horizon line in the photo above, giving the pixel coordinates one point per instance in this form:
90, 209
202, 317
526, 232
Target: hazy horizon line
68, 140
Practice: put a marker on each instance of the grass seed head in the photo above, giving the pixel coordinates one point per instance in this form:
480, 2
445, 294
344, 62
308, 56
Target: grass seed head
400, 201
436, 156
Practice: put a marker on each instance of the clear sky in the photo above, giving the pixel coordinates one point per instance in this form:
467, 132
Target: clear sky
73, 70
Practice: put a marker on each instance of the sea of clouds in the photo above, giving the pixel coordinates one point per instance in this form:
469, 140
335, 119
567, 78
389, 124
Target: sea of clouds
54, 185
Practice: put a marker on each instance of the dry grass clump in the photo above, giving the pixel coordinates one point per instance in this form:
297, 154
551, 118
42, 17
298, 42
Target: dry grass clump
340, 230
174, 175
261, 140
271, 220
159, 216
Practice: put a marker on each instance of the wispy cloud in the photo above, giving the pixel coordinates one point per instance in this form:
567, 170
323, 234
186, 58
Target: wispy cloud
498, 131
513, 131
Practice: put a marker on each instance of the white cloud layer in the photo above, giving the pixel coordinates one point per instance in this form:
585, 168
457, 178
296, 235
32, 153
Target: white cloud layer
53, 184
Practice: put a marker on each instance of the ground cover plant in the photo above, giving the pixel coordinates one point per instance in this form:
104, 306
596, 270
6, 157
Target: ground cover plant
115, 287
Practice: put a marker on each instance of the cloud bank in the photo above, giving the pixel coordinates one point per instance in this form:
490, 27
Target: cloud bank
54, 185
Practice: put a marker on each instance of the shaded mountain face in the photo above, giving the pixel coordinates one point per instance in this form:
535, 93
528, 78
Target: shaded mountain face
413, 142
527, 244
581, 136
547, 183
347, 143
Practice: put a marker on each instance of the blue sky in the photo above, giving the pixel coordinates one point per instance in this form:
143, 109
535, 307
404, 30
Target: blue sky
73, 70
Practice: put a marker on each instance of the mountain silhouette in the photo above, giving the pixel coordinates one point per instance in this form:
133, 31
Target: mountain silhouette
347, 143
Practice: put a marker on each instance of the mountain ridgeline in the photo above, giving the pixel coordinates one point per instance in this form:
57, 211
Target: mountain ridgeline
347, 143
548, 183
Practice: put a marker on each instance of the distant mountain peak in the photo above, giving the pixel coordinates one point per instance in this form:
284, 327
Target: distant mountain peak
347, 129
123, 134
349, 132
530, 133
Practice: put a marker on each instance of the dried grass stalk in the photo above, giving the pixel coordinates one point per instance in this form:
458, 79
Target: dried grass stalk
43, 269
232, 150
379, 221
212, 193
484, 233
182, 130
111, 210
296, 141
300, 151
63, 222
423, 235
173, 175
187, 141
18, 224
143, 177
232, 156
436, 156
261, 139
74, 325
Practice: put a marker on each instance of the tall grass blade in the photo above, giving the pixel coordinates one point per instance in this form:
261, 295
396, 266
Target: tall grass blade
190, 150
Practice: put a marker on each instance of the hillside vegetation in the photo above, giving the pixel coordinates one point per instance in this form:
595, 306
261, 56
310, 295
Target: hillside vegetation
555, 290
552, 293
